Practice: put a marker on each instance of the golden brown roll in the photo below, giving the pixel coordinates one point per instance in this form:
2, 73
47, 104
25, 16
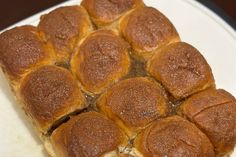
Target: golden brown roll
64, 27
88, 135
214, 112
21, 50
181, 69
147, 29
48, 94
100, 60
134, 103
106, 12
173, 137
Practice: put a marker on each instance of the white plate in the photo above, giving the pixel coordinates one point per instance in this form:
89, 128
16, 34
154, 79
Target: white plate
196, 24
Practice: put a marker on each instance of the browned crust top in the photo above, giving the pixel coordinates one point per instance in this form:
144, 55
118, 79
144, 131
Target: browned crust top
147, 29
48, 91
204, 100
89, 135
214, 111
20, 49
181, 69
64, 25
106, 11
101, 59
136, 101
174, 136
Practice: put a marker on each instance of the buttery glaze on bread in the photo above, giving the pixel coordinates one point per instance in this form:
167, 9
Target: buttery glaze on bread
22, 49
134, 103
48, 94
173, 137
89, 134
214, 112
181, 69
136, 114
106, 12
147, 29
64, 27
100, 60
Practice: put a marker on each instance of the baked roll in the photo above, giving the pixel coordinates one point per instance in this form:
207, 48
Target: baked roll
21, 50
173, 137
48, 94
88, 135
100, 60
214, 112
106, 12
134, 103
147, 30
64, 27
181, 69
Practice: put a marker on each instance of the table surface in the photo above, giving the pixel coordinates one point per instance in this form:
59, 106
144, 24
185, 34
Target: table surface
228, 6
12, 11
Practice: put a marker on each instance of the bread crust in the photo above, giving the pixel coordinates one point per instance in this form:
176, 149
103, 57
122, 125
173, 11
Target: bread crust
49, 94
89, 134
64, 27
214, 112
113, 91
21, 50
181, 69
100, 60
147, 30
134, 103
173, 136
106, 12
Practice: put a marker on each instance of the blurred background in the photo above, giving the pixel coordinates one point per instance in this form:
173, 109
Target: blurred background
12, 11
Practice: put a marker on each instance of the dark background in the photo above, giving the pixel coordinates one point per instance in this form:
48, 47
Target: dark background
12, 11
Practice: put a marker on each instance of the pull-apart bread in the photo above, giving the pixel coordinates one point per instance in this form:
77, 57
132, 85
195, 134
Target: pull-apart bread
48, 94
134, 103
21, 50
112, 78
181, 69
173, 136
100, 60
64, 27
147, 30
88, 135
106, 13
214, 112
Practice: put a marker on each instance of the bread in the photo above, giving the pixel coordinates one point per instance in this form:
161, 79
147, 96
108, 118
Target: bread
134, 103
89, 135
100, 60
106, 13
147, 30
64, 27
116, 91
21, 50
181, 69
173, 136
49, 94
214, 112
